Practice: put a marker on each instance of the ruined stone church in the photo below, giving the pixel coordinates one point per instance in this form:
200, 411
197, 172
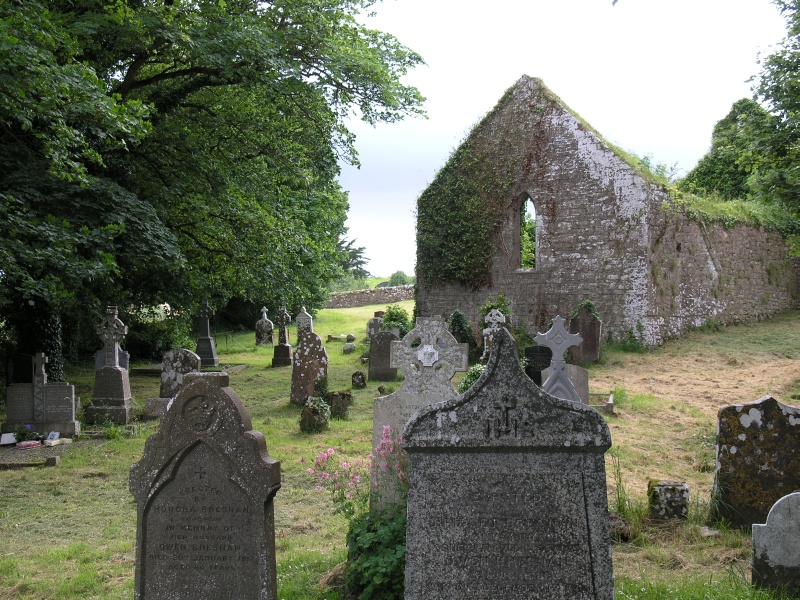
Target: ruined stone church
605, 231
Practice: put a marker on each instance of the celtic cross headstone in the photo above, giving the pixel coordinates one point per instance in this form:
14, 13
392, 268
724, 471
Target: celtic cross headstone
494, 319
111, 400
282, 355
206, 349
264, 329
558, 339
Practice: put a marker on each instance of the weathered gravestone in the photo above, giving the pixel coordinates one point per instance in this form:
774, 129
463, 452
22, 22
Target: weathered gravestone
589, 327
358, 380
558, 383
309, 366
348, 348
204, 491
264, 329
205, 343
123, 358
495, 320
539, 358
776, 547
578, 376
282, 355
380, 349
668, 499
375, 324
44, 406
507, 495
758, 459
175, 365
111, 400
305, 322
428, 356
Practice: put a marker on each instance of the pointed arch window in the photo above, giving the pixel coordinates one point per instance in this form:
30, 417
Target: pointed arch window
527, 234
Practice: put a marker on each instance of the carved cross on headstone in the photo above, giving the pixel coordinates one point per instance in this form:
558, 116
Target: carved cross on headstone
282, 321
206, 312
495, 319
428, 350
558, 339
502, 424
111, 331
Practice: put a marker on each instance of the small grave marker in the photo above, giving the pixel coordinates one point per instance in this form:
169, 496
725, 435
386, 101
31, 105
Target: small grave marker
282, 355
205, 343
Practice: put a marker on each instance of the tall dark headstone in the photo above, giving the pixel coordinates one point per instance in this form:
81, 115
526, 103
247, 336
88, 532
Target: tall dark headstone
539, 358
282, 354
206, 349
380, 349
758, 459
590, 328
204, 491
111, 400
309, 366
375, 324
507, 495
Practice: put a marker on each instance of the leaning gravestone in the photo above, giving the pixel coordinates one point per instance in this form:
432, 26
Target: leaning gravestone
507, 495
758, 459
205, 343
776, 547
428, 356
204, 491
590, 328
175, 365
309, 366
380, 349
111, 400
282, 354
44, 406
264, 329
558, 382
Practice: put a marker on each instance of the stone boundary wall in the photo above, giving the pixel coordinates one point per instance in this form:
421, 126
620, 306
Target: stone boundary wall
385, 295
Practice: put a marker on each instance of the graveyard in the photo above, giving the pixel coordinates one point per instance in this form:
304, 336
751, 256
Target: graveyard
70, 530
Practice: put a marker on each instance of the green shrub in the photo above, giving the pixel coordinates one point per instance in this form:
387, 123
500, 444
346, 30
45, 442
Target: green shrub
376, 555
396, 317
461, 329
474, 372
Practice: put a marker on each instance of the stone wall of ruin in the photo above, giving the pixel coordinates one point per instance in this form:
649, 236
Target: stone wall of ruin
385, 295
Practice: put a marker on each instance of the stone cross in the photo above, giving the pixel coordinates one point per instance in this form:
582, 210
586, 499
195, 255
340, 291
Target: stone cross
111, 331
282, 321
264, 313
495, 318
206, 312
429, 350
558, 339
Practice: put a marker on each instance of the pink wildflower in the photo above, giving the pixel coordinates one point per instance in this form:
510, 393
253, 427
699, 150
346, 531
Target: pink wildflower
318, 488
349, 495
310, 471
325, 475
330, 452
345, 465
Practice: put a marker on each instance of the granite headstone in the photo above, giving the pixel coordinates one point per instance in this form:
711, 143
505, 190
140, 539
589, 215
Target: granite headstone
507, 495
264, 329
111, 400
204, 491
539, 358
123, 358
776, 547
590, 328
175, 365
380, 349
558, 383
578, 376
375, 324
310, 365
304, 321
758, 459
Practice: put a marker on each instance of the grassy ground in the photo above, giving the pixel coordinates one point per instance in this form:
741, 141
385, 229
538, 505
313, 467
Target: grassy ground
69, 532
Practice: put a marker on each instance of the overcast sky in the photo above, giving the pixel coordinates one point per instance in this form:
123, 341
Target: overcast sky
652, 76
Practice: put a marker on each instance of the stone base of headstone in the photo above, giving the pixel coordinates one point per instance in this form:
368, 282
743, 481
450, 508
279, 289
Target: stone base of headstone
155, 408
282, 356
207, 352
776, 547
112, 397
97, 414
668, 499
65, 428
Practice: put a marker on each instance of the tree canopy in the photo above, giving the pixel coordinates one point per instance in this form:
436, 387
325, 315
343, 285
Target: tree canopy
157, 152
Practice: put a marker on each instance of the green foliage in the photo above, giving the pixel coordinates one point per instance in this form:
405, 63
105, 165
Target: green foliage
471, 376
501, 303
154, 330
527, 238
25, 432
733, 213
352, 260
376, 555
461, 329
399, 278
318, 417
396, 316
349, 283
586, 305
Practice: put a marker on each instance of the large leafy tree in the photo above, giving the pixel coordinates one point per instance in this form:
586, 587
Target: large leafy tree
169, 151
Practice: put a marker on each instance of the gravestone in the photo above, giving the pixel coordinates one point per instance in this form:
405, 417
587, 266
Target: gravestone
758, 459
558, 383
264, 329
578, 376
380, 350
175, 365
204, 491
305, 322
776, 547
358, 380
123, 358
348, 348
668, 499
507, 495
310, 365
539, 358
42, 405
590, 329
375, 324
428, 356
282, 355
205, 343
494, 319
111, 400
